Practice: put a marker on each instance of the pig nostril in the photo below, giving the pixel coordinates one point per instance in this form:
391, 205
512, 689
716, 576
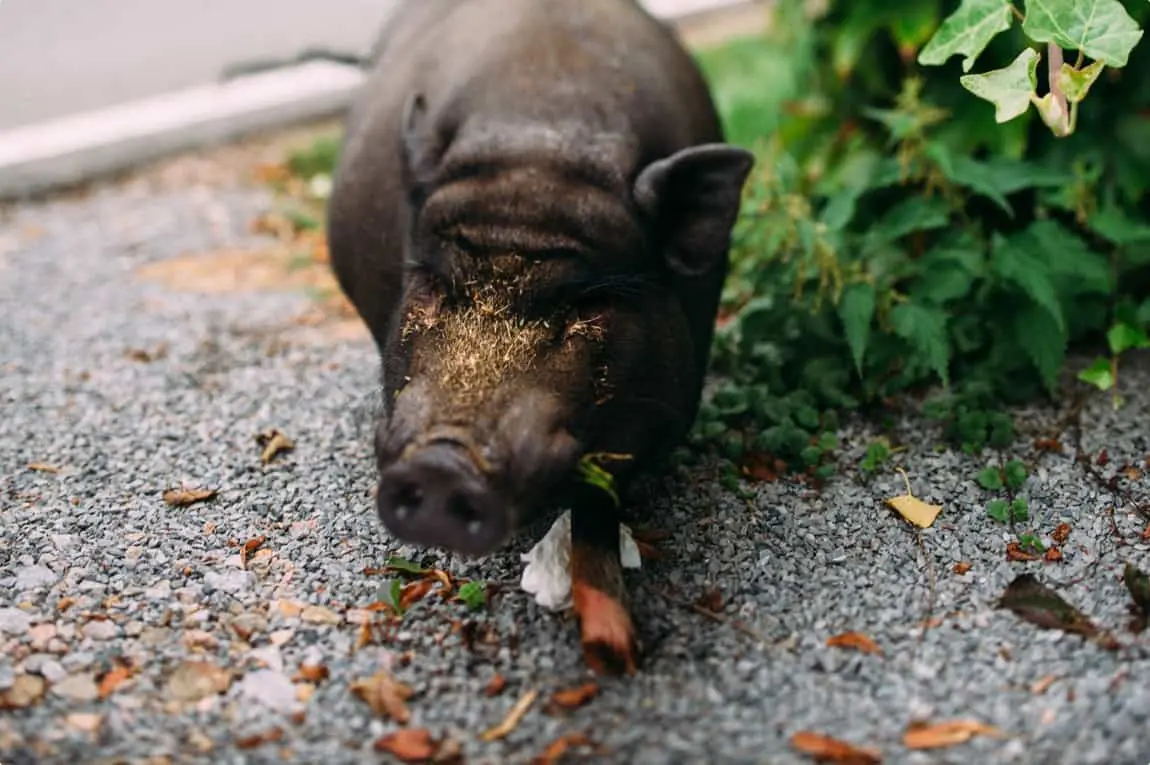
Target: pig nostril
474, 528
462, 509
408, 499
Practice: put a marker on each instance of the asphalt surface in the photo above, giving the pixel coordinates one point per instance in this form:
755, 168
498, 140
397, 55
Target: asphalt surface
128, 386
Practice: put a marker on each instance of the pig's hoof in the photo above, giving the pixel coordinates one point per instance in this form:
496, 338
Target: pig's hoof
608, 636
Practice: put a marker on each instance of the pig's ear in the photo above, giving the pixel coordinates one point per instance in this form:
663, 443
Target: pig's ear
692, 200
418, 150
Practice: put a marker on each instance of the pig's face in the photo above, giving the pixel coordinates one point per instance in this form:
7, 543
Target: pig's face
542, 317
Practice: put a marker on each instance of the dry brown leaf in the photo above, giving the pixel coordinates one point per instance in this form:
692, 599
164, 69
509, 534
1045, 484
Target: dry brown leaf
444, 579
194, 680
573, 698
1040, 687
259, 739
1048, 445
855, 640
512, 719
113, 679
414, 591
320, 615
407, 744
43, 467
559, 747
495, 685
925, 736
1061, 533
312, 673
1015, 552
961, 567
449, 752
63, 604
273, 442
25, 691
711, 600
185, 497
1132, 473
250, 547
385, 695
827, 749
1053, 555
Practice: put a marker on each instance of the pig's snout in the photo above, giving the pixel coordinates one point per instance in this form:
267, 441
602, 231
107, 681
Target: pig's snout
437, 497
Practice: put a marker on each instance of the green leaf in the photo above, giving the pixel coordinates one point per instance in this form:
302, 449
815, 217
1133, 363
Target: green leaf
990, 478
999, 510
1053, 115
1015, 473
1101, 29
856, 309
1016, 265
840, 208
967, 31
1111, 222
852, 35
1030, 542
401, 564
1044, 342
969, 172
925, 329
1069, 257
1100, 374
916, 213
1075, 83
390, 592
1009, 88
913, 24
473, 594
1019, 509
1122, 337
941, 283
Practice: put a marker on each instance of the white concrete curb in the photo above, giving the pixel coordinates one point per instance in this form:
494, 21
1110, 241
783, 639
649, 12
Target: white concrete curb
60, 152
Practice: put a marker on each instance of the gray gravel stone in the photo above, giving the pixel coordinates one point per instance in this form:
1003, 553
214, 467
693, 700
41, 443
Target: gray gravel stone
794, 566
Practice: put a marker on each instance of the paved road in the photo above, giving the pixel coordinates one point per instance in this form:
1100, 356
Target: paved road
129, 385
59, 57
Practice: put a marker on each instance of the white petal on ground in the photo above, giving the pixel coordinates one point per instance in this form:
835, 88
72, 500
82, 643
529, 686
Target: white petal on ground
547, 574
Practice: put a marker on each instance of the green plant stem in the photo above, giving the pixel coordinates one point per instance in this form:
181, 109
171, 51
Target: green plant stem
1053, 67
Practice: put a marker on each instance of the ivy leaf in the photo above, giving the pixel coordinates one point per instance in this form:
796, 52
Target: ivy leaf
925, 329
1075, 83
916, 213
1123, 337
856, 309
1017, 266
1101, 29
1100, 374
967, 31
1010, 88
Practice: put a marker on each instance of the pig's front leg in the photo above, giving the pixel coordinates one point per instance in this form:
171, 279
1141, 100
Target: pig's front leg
597, 589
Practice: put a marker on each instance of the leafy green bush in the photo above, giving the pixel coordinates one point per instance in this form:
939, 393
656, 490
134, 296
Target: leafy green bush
896, 236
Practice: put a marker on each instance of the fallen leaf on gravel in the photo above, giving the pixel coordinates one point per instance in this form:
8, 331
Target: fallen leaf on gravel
1146, 533
913, 509
827, 749
1061, 533
1138, 584
312, 673
961, 567
855, 640
320, 615
250, 547
573, 698
63, 604
1053, 555
922, 735
25, 691
385, 695
273, 442
559, 747
185, 497
113, 679
43, 467
1015, 552
1103, 458
1040, 687
1033, 601
711, 600
194, 680
449, 752
414, 592
1048, 445
512, 719
408, 744
495, 685
259, 739
395, 563
84, 721
304, 692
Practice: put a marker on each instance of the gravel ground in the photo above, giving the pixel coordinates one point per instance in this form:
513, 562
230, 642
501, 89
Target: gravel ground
128, 386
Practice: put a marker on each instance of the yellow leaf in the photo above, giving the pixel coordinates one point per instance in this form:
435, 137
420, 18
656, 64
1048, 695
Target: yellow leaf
914, 509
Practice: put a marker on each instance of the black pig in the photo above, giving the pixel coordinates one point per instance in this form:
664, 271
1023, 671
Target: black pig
532, 213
